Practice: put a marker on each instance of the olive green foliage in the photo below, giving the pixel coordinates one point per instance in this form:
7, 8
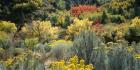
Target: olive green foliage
4, 40
105, 18
60, 18
31, 42
61, 49
58, 4
92, 16
125, 8
117, 18
102, 2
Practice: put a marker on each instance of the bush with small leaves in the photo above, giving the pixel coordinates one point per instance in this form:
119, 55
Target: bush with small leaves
4, 40
117, 18
61, 49
40, 29
135, 26
31, 42
60, 18
77, 26
7, 26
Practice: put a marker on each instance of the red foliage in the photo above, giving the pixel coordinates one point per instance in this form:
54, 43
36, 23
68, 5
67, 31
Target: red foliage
80, 9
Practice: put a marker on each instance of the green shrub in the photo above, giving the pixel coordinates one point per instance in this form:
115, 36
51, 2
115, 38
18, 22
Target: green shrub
117, 18
40, 29
53, 20
105, 18
60, 18
7, 26
31, 42
4, 40
61, 49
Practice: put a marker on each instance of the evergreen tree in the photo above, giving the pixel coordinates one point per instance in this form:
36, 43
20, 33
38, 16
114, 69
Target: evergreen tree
137, 7
18, 11
68, 4
104, 18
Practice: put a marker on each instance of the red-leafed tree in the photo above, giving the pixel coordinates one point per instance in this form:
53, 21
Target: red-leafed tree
85, 8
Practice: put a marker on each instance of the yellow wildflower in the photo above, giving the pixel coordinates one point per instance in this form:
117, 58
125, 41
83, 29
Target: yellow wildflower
72, 66
82, 69
137, 56
9, 62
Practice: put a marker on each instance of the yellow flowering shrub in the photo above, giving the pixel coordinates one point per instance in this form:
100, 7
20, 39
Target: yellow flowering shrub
135, 22
61, 20
78, 26
125, 29
135, 26
73, 64
130, 49
137, 56
40, 29
121, 30
116, 4
9, 62
7, 26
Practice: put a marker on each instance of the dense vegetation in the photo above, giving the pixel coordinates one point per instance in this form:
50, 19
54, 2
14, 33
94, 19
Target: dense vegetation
69, 35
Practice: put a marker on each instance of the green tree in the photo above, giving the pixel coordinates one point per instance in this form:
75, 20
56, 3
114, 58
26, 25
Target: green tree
18, 11
137, 7
105, 18
68, 4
